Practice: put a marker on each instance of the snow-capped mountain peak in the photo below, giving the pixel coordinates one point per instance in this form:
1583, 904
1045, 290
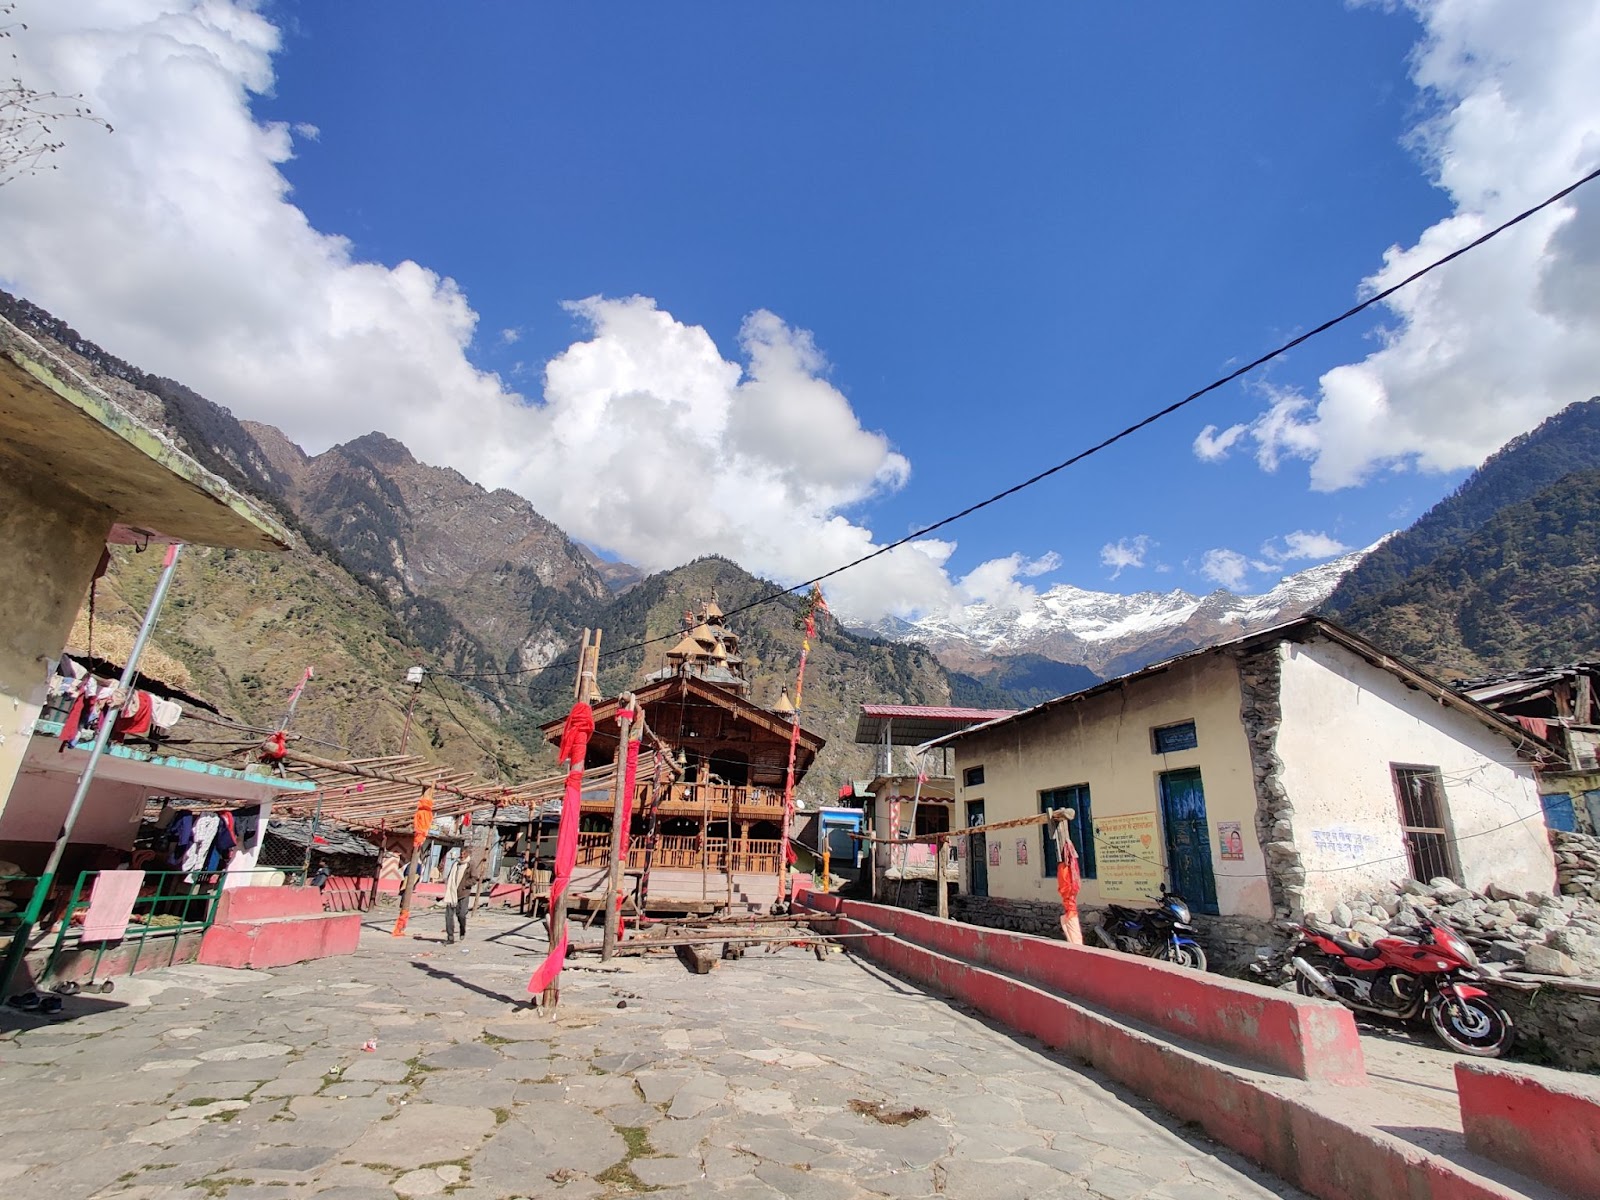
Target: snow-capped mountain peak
1112, 633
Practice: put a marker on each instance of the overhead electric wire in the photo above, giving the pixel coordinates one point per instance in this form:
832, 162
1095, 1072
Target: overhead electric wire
1222, 381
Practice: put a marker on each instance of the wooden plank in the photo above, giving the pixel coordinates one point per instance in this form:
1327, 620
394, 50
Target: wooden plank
699, 958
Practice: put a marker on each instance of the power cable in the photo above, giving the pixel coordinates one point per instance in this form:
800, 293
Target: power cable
1159, 414
494, 755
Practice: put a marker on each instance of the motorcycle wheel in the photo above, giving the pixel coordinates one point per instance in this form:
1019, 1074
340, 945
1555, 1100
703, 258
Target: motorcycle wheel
1183, 954
1477, 1026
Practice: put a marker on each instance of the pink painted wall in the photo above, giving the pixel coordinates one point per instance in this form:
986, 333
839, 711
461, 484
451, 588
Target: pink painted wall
1308, 1039
1541, 1122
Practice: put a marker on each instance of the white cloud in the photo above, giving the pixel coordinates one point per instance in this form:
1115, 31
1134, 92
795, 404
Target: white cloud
1212, 446
1487, 347
510, 337
174, 243
1125, 553
307, 130
1302, 544
1226, 567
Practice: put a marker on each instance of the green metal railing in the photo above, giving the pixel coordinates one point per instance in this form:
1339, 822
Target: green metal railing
175, 907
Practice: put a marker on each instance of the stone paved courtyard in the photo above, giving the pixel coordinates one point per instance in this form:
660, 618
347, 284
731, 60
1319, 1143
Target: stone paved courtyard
749, 1082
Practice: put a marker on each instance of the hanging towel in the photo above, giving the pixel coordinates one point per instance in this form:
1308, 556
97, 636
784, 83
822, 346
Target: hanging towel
194, 858
110, 905
164, 714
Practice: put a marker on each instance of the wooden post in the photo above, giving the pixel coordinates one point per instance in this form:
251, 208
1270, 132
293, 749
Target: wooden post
621, 810
938, 875
558, 912
705, 825
727, 853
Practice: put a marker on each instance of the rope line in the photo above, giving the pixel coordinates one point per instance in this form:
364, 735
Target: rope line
1160, 414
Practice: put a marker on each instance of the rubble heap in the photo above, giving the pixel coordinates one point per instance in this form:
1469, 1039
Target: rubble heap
1577, 863
1512, 931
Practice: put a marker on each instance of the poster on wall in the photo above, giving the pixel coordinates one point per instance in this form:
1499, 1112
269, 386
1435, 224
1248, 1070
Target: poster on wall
1128, 856
994, 854
1022, 852
1230, 837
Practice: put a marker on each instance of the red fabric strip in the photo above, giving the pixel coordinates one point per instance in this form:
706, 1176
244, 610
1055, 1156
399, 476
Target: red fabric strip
574, 745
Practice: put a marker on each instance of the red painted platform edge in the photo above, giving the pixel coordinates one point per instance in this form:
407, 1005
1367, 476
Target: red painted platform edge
255, 903
1279, 1127
278, 943
1541, 1122
1299, 1037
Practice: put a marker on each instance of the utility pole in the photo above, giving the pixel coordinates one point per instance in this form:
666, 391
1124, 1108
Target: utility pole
30, 917
414, 678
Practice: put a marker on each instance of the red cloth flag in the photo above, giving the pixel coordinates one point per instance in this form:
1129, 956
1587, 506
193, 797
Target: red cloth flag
630, 773
574, 745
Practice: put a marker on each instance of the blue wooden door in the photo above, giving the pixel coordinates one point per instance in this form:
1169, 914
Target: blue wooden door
1188, 838
977, 852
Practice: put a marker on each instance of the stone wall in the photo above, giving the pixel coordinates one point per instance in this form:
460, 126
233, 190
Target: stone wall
1261, 711
1557, 1024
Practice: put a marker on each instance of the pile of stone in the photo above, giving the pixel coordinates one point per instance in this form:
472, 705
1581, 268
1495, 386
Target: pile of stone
1577, 863
1512, 931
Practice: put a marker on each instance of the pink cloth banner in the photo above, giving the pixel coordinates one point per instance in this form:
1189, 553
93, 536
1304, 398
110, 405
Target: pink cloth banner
111, 903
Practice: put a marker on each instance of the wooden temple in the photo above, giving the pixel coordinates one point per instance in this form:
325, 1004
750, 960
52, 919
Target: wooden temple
709, 835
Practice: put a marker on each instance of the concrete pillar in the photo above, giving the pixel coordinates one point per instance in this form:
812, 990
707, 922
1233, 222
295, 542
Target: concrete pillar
54, 537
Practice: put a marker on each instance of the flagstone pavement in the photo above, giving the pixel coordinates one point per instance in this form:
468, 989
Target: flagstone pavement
775, 1075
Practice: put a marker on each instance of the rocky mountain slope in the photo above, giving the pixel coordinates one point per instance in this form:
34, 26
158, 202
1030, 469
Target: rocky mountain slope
1109, 633
398, 563
1522, 590
511, 578
1523, 467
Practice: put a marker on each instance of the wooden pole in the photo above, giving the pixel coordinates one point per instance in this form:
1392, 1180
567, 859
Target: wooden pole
938, 875
621, 810
557, 912
727, 853
705, 828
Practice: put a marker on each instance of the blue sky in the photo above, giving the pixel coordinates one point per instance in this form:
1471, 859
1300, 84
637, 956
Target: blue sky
1009, 230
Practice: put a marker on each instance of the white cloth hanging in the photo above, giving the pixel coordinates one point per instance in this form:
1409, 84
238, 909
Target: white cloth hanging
205, 832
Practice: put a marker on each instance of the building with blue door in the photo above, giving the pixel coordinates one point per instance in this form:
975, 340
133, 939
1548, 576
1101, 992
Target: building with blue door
1269, 776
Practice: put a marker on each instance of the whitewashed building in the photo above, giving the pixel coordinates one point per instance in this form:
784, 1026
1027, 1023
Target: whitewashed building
1269, 776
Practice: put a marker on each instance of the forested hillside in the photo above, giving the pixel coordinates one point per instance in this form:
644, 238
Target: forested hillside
1522, 590
1523, 467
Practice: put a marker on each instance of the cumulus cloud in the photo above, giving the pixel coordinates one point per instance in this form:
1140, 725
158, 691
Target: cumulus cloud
1228, 568
510, 337
1212, 445
1125, 553
1302, 544
1487, 347
175, 244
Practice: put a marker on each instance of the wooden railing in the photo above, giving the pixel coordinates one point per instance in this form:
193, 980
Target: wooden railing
755, 856
717, 797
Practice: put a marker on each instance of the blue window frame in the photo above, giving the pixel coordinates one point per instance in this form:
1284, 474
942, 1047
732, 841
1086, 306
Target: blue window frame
1169, 739
1080, 828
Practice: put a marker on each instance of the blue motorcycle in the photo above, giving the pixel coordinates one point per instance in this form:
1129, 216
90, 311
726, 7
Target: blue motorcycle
1163, 932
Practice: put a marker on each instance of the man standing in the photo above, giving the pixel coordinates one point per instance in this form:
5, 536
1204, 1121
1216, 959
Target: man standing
1069, 876
458, 883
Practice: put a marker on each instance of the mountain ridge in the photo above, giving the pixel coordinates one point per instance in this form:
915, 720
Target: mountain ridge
1111, 633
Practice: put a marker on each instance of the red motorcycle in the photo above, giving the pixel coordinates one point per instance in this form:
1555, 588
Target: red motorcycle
1403, 979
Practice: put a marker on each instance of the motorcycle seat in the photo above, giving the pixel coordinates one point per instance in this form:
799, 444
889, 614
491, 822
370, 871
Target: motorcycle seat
1351, 950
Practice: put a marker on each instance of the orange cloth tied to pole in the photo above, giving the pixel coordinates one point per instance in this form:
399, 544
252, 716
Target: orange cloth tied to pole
421, 824
574, 745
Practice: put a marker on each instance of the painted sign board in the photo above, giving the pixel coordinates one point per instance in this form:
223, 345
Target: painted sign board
1129, 856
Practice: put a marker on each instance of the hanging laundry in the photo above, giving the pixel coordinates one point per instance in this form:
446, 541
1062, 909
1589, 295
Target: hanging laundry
194, 859
165, 714
134, 719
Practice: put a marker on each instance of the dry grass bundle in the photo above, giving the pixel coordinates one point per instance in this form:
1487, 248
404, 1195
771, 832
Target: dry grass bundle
114, 643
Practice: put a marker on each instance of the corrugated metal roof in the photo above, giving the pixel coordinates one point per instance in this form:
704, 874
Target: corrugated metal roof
913, 724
